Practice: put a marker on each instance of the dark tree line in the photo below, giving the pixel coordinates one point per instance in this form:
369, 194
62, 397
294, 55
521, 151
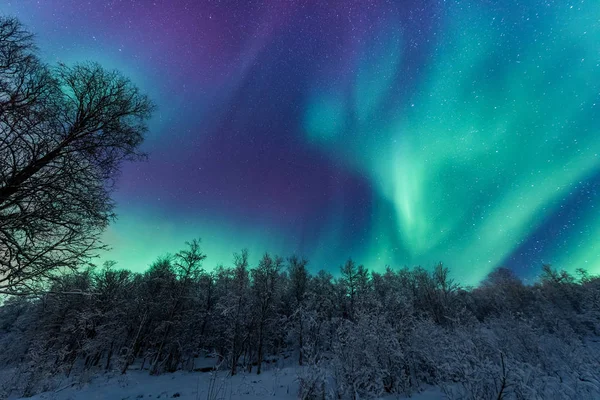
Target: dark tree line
356, 335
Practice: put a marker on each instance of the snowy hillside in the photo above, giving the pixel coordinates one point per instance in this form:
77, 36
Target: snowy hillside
277, 384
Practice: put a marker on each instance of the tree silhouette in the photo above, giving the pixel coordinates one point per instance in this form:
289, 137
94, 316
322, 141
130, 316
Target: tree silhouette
64, 133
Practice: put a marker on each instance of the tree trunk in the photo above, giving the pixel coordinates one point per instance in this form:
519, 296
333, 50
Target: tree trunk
249, 360
234, 353
260, 348
234, 361
154, 368
301, 343
96, 359
132, 351
110, 352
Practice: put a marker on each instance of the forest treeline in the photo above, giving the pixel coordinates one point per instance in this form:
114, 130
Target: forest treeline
359, 334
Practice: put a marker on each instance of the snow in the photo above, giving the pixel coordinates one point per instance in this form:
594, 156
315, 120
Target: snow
276, 384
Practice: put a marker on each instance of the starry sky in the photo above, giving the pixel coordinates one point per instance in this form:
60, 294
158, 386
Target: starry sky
393, 132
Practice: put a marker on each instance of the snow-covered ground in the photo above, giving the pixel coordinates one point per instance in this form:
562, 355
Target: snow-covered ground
276, 384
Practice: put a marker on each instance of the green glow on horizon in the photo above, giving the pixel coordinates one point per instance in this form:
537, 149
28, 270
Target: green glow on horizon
141, 235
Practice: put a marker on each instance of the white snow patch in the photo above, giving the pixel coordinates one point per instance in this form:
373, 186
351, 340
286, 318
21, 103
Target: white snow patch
276, 384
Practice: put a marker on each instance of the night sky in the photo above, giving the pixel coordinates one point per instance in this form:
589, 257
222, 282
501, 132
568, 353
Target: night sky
394, 132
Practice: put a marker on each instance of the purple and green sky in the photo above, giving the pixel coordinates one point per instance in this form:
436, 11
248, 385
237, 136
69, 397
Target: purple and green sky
394, 132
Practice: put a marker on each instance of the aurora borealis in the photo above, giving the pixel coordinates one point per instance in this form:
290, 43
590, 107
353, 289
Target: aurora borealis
394, 132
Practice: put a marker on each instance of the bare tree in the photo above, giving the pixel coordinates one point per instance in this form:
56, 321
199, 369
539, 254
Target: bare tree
265, 279
299, 279
64, 133
235, 308
349, 281
187, 266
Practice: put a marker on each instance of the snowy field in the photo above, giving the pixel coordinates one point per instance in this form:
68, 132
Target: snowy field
276, 384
